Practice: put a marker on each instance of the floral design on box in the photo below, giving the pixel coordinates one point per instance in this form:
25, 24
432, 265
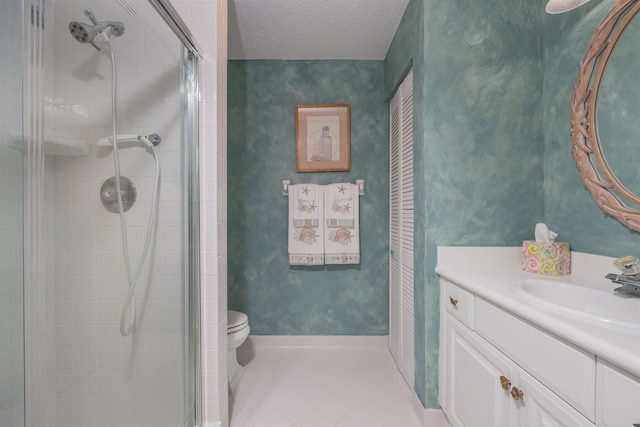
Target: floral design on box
549, 259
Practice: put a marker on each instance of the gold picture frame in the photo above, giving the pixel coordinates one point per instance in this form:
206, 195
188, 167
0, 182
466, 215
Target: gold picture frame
323, 138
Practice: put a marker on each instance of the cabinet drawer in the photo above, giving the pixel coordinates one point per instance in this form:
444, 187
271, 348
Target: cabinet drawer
618, 397
567, 370
459, 303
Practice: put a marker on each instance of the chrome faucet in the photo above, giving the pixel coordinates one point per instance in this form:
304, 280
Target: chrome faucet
629, 266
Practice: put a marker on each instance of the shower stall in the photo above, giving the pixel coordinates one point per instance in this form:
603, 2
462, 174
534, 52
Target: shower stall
98, 215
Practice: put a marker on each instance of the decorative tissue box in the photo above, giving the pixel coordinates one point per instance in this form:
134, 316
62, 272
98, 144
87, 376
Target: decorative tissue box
550, 259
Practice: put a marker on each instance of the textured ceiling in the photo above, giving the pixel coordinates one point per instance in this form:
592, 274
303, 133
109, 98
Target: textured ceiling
312, 29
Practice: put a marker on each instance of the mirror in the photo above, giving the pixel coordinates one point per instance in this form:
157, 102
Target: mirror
618, 107
604, 115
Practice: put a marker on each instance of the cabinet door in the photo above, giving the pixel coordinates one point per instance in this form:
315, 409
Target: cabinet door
618, 397
540, 407
475, 395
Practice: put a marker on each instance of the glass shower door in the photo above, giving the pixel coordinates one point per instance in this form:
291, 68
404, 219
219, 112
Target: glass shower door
11, 224
108, 301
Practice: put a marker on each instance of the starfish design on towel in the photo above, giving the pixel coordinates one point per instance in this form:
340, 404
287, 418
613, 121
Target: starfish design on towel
306, 190
312, 207
346, 208
341, 189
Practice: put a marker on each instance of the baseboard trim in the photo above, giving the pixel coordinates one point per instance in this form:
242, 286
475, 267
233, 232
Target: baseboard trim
429, 417
418, 409
318, 341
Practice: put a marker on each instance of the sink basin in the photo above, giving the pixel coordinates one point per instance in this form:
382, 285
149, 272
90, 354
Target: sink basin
600, 305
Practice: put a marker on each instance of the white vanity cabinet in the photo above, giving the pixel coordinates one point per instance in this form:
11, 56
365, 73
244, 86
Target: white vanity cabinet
500, 370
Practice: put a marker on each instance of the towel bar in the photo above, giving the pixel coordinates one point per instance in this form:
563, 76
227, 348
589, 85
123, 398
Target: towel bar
287, 182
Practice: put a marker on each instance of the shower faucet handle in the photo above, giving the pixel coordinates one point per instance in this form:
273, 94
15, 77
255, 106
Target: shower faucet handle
89, 14
94, 45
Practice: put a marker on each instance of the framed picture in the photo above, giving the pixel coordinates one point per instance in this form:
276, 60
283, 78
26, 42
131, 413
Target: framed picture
323, 138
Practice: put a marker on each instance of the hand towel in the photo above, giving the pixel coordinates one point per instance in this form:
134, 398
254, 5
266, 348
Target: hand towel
306, 228
342, 231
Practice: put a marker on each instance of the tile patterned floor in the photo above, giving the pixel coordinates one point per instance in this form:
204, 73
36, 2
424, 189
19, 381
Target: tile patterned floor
313, 387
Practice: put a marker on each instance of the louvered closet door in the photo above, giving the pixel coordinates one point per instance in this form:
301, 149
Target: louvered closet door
395, 306
406, 206
401, 230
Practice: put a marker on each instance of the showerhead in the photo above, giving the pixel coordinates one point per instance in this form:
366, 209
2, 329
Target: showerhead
86, 33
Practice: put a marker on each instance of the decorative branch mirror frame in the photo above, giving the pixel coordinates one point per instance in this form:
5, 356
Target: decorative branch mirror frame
597, 176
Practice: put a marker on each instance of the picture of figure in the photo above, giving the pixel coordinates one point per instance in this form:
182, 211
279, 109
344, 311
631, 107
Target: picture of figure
323, 140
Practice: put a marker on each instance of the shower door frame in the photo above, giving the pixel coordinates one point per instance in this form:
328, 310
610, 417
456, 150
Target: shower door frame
177, 25
191, 53
191, 250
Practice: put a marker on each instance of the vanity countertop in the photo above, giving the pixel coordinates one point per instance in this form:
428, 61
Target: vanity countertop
478, 271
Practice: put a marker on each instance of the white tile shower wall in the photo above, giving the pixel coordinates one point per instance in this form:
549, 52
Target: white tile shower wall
207, 19
48, 340
104, 379
11, 283
11, 280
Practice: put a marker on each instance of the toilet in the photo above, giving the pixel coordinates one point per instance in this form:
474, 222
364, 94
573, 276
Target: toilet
237, 332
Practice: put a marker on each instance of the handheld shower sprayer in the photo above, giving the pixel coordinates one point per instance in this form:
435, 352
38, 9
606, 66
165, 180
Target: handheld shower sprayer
151, 140
86, 33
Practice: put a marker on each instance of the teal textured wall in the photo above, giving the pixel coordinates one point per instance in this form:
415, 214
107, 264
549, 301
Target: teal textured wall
492, 84
284, 300
483, 133
569, 208
405, 50
480, 152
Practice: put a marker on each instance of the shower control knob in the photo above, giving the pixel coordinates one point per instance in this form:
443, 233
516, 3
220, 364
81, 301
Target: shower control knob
109, 194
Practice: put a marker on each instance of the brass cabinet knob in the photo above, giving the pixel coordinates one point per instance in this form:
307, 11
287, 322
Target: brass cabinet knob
517, 394
454, 301
505, 382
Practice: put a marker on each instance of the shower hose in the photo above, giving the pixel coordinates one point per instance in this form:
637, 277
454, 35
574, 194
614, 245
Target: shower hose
129, 306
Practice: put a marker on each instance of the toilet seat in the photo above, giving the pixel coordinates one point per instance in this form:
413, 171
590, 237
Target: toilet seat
236, 321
